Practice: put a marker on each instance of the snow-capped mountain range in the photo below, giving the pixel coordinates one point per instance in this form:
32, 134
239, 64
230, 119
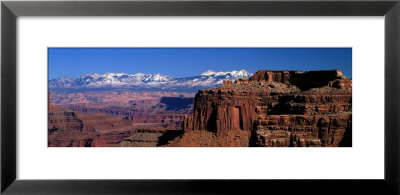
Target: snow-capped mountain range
208, 79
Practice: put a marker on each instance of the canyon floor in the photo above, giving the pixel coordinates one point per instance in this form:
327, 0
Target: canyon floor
269, 109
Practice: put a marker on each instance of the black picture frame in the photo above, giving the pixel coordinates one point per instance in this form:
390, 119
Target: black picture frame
10, 10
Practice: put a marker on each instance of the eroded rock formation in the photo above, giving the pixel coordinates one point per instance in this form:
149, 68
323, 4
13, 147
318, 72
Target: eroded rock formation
73, 129
279, 108
166, 108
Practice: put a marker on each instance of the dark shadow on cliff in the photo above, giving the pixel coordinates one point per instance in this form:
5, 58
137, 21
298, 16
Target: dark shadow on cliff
303, 80
168, 136
348, 136
212, 121
253, 137
284, 106
313, 79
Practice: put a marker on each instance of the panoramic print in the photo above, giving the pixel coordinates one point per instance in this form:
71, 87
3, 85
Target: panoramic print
199, 97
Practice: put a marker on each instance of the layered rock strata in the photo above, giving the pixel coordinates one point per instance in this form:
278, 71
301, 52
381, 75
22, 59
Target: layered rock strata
279, 108
168, 111
73, 129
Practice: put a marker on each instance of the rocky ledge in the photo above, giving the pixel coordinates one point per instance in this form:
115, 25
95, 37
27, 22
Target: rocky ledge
279, 108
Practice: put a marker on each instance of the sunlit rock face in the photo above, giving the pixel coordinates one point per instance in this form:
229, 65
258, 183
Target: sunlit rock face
279, 108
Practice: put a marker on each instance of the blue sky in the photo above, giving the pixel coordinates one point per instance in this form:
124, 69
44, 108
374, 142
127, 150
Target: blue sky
184, 62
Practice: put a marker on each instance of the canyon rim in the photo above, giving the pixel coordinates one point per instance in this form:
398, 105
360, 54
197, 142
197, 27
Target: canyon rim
197, 97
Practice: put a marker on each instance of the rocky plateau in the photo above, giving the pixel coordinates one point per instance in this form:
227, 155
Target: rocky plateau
276, 109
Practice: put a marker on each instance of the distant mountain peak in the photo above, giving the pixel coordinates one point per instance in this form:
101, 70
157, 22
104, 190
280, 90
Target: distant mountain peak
242, 72
208, 79
208, 73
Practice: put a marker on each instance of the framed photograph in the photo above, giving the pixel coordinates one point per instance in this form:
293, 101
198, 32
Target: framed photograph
175, 98
206, 97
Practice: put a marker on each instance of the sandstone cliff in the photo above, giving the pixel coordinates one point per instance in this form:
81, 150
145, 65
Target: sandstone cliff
279, 108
